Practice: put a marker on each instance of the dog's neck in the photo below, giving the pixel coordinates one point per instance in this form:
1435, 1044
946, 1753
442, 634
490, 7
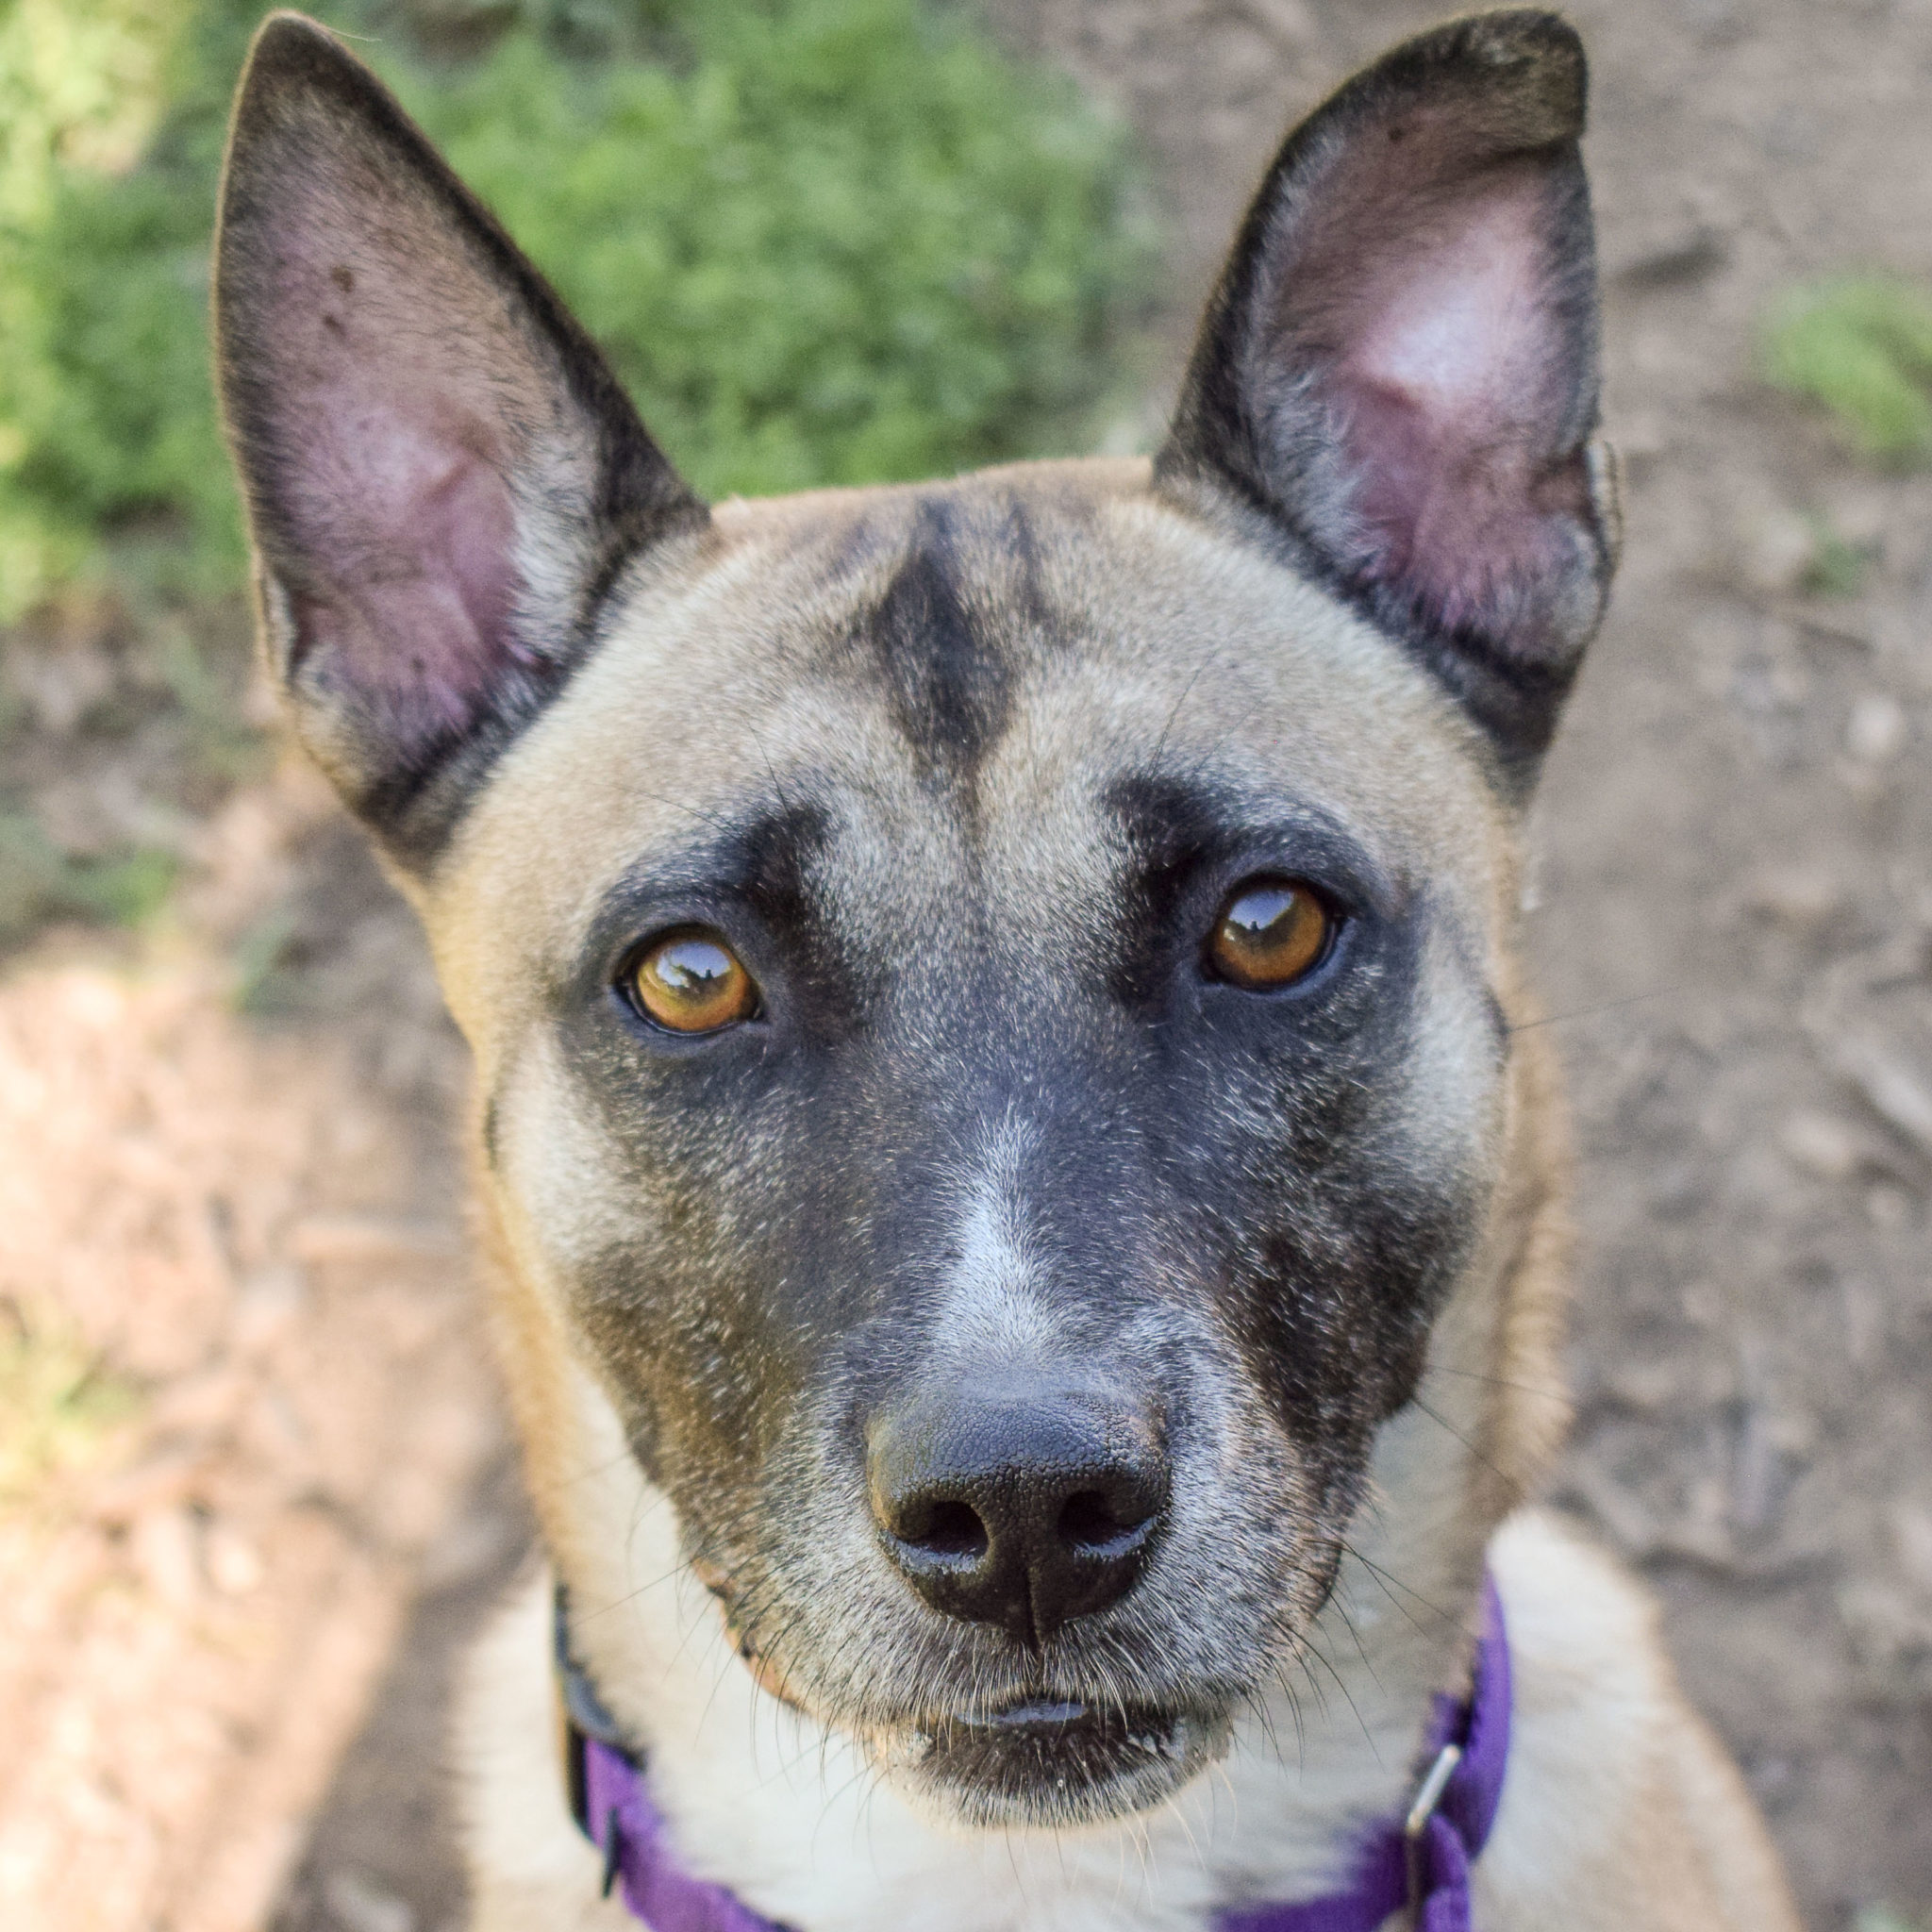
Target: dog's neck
788, 1815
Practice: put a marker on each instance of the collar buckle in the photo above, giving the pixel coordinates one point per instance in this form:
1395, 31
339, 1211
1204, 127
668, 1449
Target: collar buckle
1415, 1826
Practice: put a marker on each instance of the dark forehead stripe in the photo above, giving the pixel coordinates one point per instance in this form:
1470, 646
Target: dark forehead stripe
943, 636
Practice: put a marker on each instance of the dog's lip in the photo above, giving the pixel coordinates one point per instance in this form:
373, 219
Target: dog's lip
1036, 1713
1046, 1721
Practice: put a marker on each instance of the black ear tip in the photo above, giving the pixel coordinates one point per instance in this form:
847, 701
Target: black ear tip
1509, 34
292, 51
302, 95
1544, 42
1526, 28
1519, 75
290, 42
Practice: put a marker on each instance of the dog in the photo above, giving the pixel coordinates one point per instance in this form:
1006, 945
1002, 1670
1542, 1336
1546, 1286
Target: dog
1026, 1225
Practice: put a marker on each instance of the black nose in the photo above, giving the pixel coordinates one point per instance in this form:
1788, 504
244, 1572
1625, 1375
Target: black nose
1015, 1504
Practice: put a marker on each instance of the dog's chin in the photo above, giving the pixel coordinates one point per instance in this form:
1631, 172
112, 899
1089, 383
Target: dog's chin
1047, 1762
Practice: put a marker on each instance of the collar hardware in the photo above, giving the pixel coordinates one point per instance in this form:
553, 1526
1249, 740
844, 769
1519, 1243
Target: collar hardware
1415, 1827
613, 1854
1418, 1863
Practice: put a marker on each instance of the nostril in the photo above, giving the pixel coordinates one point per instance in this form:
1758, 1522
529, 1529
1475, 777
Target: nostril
1026, 1506
948, 1530
1089, 1525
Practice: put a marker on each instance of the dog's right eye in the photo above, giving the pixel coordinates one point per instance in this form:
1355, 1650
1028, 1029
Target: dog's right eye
690, 981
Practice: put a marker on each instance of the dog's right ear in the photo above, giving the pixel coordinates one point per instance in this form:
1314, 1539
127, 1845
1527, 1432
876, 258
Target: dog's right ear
442, 475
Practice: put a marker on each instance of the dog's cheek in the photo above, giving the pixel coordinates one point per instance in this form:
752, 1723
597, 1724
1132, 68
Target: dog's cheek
712, 1316
681, 1345
637, 1247
1364, 1215
1339, 1310
623, 1249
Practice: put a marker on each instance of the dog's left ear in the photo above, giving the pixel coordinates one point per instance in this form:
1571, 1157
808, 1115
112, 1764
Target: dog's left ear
1399, 367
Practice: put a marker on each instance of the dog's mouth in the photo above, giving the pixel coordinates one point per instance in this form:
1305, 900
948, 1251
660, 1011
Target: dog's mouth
1047, 1759
1042, 1755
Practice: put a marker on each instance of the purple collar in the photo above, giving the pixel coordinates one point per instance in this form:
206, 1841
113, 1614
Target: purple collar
1422, 1861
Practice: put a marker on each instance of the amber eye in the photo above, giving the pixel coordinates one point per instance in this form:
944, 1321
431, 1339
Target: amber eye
1270, 933
692, 982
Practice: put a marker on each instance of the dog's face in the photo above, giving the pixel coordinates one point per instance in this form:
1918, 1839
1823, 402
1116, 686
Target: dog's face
985, 995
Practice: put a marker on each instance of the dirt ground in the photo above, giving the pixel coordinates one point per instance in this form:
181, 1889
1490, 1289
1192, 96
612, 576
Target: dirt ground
1732, 923
208, 1547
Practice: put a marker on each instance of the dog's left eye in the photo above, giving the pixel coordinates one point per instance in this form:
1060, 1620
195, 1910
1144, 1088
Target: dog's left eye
690, 981
1270, 933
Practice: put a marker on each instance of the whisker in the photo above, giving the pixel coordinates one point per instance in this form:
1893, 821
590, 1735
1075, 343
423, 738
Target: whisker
1443, 1423
1355, 1637
560, 1484
1386, 1578
1656, 992
1500, 1382
1314, 1651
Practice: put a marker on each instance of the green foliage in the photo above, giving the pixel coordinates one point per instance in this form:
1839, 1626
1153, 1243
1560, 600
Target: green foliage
824, 241
106, 391
1882, 1919
57, 1409
1838, 569
106, 425
1862, 345
847, 242
38, 882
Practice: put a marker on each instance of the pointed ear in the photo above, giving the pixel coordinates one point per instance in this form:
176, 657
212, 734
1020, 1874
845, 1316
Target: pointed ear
1399, 368
442, 476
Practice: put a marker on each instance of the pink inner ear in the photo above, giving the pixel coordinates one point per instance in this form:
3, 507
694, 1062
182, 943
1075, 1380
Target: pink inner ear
398, 390
1454, 326
1450, 390
413, 527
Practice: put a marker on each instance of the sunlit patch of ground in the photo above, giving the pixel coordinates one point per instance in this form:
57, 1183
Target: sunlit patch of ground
240, 1384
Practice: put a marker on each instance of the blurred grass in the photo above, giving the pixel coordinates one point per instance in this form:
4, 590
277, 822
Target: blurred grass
39, 882
59, 1409
1838, 568
821, 240
1862, 345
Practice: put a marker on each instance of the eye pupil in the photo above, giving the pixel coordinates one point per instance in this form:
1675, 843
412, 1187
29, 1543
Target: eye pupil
692, 982
1271, 934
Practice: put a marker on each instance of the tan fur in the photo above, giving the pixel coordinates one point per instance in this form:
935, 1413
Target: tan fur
1619, 1811
536, 665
